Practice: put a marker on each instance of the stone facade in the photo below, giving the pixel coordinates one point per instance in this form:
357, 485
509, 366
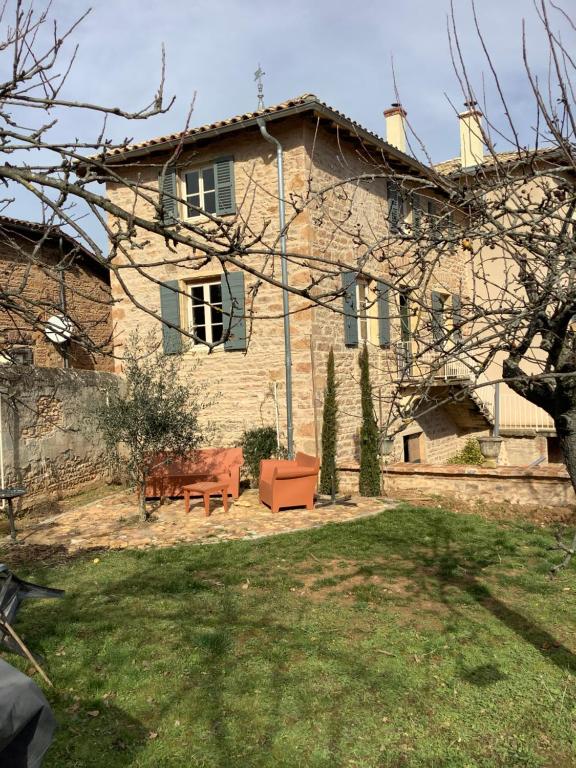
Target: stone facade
33, 274
48, 442
247, 388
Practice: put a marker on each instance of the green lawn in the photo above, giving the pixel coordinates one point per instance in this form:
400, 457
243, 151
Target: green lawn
415, 638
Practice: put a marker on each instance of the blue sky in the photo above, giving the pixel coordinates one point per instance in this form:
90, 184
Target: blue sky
341, 51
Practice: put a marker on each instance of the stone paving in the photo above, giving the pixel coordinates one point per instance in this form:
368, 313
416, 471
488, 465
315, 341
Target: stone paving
112, 522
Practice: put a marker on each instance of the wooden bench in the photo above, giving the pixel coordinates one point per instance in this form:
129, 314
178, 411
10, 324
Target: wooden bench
168, 478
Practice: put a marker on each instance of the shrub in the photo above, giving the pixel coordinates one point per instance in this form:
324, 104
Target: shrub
257, 444
329, 474
369, 437
153, 415
470, 454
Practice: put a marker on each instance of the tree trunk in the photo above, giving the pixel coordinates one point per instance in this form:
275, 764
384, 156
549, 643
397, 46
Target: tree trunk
566, 430
142, 500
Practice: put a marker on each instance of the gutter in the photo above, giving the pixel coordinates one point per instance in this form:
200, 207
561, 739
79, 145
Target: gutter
285, 295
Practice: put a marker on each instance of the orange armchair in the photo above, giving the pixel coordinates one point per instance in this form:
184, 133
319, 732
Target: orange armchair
289, 483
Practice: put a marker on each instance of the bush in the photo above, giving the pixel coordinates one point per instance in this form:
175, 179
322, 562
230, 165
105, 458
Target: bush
257, 444
369, 436
329, 474
470, 454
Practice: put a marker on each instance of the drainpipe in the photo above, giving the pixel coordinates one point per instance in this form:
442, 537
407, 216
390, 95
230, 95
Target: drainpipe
496, 430
285, 304
63, 299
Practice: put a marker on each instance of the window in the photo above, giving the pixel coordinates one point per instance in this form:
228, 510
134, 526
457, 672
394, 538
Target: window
200, 191
206, 319
18, 356
405, 326
363, 302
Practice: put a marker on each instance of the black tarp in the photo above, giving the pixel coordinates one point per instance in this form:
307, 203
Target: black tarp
26, 720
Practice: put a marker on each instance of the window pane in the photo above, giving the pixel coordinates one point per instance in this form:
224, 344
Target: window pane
192, 183
210, 202
216, 294
200, 332
198, 315
193, 200
197, 294
217, 331
208, 179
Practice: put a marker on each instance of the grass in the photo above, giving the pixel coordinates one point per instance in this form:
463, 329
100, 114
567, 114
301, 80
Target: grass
416, 638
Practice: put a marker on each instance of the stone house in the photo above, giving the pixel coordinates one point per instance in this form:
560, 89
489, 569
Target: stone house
47, 274
337, 197
528, 431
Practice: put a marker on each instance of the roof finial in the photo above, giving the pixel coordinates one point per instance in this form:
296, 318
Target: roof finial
258, 75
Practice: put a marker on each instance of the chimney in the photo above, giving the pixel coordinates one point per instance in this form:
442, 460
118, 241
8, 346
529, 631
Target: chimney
471, 141
396, 127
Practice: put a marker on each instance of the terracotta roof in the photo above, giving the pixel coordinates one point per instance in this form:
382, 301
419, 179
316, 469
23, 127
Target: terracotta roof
37, 228
454, 166
304, 103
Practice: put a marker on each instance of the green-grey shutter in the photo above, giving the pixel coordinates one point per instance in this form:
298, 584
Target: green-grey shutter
350, 309
437, 315
393, 205
383, 292
224, 176
168, 196
170, 313
233, 310
416, 215
457, 316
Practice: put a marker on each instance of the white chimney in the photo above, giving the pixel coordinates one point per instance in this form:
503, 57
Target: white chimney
471, 141
396, 126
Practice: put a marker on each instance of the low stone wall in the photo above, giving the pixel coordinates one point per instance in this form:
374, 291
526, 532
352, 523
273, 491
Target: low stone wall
49, 444
547, 486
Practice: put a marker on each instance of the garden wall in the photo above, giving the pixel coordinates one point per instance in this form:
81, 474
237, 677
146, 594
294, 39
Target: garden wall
547, 486
49, 445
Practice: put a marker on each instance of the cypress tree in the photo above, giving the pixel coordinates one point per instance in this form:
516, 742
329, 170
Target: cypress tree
329, 475
369, 458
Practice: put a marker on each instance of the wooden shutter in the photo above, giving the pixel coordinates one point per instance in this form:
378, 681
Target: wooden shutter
168, 196
233, 310
437, 315
224, 177
393, 205
383, 304
416, 215
457, 316
350, 309
170, 313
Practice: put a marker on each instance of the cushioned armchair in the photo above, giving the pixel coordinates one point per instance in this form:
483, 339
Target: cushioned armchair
289, 483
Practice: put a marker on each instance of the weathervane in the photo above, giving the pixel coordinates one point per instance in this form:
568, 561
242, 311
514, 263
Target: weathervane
258, 75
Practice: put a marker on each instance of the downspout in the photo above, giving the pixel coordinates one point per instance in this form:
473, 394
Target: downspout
284, 266
63, 299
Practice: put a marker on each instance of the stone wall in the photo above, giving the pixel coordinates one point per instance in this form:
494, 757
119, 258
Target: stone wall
49, 445
548, 486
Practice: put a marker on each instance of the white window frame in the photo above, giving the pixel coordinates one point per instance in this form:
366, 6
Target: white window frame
366, 310
201, 208
208, 310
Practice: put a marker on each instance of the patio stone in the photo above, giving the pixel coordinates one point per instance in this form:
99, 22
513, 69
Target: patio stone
112, 523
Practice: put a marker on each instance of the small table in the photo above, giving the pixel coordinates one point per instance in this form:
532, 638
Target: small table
205, 490
9, 494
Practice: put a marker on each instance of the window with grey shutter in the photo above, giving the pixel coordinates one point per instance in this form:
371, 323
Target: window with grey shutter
416, 215
457, 318
383, 292
393, 205
224, 177
437, 316
170, 313
233, 311
168, 196
350, 309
